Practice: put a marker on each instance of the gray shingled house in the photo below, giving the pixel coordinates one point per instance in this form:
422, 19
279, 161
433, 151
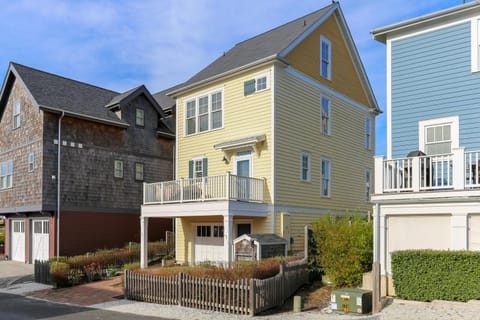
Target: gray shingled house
82, 151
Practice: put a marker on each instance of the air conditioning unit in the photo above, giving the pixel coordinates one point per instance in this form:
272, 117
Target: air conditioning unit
351, 300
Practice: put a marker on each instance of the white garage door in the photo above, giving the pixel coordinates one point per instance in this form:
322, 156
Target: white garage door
18, 240
40, 240
474, 232
417, 232
209, 244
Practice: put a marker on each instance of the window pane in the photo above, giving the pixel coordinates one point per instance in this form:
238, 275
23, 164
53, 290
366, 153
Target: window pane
191, 126
139, 171
217, 119
140, 117
261, 83
438, 134
203, 122
430, 134
203, 105
446, 133
216, 101
190, 109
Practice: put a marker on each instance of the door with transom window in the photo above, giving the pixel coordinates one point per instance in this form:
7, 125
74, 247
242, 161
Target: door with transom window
243, 171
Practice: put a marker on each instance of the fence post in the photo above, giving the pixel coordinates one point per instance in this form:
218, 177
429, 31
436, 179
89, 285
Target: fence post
125, 281
180, 288
252, 297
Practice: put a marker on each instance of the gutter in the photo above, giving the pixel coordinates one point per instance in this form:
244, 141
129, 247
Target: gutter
85, 117
231, 71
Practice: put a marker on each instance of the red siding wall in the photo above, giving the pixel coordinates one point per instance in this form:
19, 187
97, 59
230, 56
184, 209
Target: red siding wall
82, 232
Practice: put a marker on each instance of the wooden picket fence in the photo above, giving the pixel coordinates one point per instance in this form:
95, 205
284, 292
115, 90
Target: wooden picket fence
245, 296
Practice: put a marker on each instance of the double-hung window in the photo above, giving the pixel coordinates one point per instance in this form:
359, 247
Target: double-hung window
325, 112
368, 133
325, 58
438, 136
6, 174
204, 113
16, 114
139, 171
305, 163
140, 117
325, 178
31, 162
118, 169
198, 168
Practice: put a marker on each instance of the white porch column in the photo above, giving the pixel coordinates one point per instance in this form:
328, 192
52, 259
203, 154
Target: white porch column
228, 236
143, 242
459, 230
458, 168
378, 174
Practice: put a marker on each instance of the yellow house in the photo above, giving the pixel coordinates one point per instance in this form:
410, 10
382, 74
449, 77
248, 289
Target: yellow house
274, 133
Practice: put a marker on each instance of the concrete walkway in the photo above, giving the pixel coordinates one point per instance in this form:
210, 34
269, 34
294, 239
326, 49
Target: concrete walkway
13, 271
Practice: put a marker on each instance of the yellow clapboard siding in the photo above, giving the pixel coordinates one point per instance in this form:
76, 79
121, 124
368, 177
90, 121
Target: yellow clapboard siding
298, 129
306, 58
244, 116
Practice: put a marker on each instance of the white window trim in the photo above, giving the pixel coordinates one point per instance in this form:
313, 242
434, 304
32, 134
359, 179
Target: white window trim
329, 68
197, 122
142, 165
241, 157
7, 184
329, 125
15, 114
309, 174
454, 123
115, 169
136, 117
329, 178
31, 162
267, 85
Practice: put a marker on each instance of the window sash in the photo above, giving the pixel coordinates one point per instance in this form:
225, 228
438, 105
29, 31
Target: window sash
140, 117
16, 114
325, 187
198, 168
261, 83
118, 171
325, 115
139, 171
305, 167
204, 113
6, 175
31, 162
325, 58
368, 133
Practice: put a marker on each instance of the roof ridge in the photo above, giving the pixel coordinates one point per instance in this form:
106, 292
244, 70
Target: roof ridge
63, 77
286, 23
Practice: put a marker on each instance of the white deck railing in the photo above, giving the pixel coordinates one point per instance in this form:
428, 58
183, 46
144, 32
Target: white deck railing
458, 170
222, 187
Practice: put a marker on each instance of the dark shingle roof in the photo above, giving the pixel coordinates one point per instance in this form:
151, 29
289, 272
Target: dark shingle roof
56, 92
166, 102
268, 44
117, 99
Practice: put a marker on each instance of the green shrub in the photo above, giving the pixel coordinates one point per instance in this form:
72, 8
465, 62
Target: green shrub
2, 235
427, 275
59, 274
345, 246
132, 266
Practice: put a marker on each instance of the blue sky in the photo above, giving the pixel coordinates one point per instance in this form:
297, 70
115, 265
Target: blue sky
120, 44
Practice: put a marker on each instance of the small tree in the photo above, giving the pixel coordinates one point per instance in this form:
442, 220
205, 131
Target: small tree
345, 246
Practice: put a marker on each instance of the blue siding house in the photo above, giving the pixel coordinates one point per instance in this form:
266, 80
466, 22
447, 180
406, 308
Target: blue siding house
427, 188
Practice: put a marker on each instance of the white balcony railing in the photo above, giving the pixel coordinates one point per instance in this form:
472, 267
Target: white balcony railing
222, 187
458, 170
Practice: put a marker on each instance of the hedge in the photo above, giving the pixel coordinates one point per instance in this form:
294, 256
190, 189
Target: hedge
427, 275
345, 247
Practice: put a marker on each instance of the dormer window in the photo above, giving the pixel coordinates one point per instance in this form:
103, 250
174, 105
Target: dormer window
140, 117
16, 114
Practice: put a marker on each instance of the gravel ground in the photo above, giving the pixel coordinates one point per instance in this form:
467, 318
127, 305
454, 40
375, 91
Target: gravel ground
398, 310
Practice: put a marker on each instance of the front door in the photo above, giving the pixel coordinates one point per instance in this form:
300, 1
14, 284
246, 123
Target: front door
243, 171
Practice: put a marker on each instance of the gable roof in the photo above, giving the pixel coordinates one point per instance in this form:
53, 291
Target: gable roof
166, 102
58, 94
380, 34
275, 45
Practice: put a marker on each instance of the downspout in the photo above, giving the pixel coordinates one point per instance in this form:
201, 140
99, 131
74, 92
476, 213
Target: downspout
58, 180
